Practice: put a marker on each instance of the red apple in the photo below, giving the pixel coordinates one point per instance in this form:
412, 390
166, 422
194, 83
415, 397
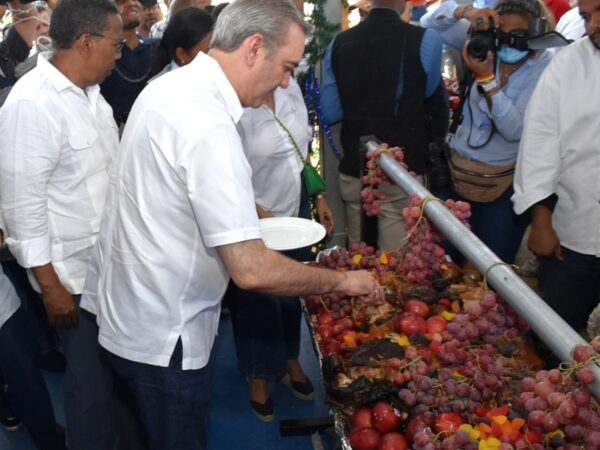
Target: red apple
417, 307
448, 422
436, 324
362, 418
385, 417
410, 323
365, 439
394, 441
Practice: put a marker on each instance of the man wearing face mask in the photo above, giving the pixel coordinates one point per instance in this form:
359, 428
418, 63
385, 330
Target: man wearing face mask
557, 174
485, 145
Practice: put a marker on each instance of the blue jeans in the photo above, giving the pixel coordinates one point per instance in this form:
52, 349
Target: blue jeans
27, 391
266, 327
495, 223
173, 402
572, 286
89, 403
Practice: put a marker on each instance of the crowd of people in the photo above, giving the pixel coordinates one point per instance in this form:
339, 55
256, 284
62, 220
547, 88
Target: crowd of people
139, 149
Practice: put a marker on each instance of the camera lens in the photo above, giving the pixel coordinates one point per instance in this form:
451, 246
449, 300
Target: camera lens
480, 44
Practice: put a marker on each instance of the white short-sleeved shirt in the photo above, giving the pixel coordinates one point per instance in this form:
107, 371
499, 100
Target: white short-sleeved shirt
57, 142
9, 301
559, 151
276, 165
182, 187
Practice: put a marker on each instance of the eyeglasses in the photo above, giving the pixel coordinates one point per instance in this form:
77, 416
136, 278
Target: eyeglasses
120, 43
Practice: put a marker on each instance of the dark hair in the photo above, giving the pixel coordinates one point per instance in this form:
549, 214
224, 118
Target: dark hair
186, 28
72, 18
218, 9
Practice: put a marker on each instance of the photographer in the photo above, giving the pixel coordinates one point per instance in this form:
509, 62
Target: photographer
503, 75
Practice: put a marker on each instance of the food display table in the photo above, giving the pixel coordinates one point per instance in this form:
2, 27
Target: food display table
437, 360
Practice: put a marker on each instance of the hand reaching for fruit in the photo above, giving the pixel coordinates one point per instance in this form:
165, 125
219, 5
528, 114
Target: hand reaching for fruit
358, 282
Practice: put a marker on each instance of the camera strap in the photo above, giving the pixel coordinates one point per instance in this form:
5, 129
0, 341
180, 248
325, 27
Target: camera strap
463, 92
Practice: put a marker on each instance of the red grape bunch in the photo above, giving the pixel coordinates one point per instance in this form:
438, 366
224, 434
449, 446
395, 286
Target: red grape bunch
425, 256
370, 195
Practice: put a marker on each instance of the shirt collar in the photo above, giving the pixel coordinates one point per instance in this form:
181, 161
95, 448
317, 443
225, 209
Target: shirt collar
232, 101
60, 81
384, 8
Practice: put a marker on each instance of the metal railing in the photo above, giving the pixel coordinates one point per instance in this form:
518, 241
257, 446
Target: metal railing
541, 318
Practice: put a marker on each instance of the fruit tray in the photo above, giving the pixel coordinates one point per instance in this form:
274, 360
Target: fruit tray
442, 363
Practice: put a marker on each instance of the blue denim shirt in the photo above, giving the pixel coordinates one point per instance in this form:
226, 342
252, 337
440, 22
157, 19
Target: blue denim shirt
508, 111
508, 105
431, 57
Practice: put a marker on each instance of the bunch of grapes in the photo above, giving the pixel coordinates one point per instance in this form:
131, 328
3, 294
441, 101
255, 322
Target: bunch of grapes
425, 256
484, 322
557, 400
370, 195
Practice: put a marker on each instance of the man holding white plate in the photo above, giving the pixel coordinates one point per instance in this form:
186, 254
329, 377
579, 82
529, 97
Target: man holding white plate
180, 219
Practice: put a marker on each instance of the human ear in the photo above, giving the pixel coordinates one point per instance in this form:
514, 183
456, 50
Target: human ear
256, 44
180, 56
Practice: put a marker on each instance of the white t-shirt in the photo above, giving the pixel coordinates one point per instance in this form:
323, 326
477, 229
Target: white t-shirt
559, 150
276, 165
57, 142
182, 187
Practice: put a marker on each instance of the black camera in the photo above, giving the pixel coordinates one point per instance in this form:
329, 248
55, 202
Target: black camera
482, 42
491, 40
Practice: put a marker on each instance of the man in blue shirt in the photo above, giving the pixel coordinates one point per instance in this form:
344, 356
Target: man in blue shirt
383, 77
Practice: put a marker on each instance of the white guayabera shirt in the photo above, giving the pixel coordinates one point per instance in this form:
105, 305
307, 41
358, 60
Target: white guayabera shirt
56, 144
9, 302
559, 152
276, 165
182, 187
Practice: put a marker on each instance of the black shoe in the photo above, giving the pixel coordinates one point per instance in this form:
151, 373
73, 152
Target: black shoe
54, 361
303, 390
7, 418
264, 411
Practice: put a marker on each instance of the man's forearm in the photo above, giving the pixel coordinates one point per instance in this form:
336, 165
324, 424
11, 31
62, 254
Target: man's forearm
541, 216
46, 277
254, 267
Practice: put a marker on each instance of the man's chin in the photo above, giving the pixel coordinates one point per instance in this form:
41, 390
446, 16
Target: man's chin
132, 24
595, 40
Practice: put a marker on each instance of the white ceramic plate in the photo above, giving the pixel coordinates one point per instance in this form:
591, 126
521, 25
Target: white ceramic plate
288, 233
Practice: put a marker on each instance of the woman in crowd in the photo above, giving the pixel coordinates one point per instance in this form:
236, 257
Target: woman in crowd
267, 328
484, 148
188, 33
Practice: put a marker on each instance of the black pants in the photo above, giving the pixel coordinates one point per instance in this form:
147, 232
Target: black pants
572, 286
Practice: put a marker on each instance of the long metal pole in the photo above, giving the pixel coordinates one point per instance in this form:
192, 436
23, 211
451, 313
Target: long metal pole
548, 325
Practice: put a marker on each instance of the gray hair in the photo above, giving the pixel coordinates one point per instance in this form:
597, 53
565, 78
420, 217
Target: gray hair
72, 18
243, 18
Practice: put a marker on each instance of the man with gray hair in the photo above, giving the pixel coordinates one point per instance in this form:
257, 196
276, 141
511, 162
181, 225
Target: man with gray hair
57, 141
181, 219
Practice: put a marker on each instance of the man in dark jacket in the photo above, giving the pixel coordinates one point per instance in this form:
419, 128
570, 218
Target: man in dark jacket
383, 78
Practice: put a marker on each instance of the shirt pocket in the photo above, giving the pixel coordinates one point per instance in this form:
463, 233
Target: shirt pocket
87, 156
82, 139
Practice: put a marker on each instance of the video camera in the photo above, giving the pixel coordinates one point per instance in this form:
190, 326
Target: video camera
534, 38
